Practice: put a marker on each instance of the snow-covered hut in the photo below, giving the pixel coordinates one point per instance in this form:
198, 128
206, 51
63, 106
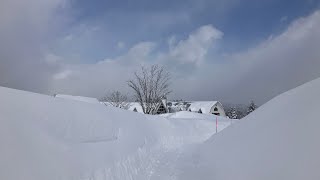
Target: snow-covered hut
161, 109
207, 107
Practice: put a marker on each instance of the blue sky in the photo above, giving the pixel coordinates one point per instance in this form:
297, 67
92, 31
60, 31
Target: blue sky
244, 23
228, 50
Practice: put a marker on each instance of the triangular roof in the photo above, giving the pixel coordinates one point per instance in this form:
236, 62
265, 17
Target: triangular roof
205, 106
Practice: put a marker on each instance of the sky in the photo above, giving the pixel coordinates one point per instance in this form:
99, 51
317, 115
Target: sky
228, 50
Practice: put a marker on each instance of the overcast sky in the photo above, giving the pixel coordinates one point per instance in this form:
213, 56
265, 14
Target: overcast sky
228, 50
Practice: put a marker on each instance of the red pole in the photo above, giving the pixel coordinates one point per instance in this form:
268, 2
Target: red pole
216, 124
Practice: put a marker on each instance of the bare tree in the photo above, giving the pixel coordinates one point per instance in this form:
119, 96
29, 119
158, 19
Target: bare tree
117, 99
150, 85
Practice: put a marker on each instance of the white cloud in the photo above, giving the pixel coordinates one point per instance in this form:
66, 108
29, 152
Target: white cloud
62, 75
68, 37
195, 47
25, 33
277, 64
121, 45
112, 73
274, 66
102, 77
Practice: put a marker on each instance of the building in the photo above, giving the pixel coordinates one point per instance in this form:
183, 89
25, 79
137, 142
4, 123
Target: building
176, 106
136, 107
204, 107
207, 107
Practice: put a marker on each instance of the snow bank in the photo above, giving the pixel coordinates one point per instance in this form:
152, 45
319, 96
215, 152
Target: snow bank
43, 137
78, 98
194, 115
278, 141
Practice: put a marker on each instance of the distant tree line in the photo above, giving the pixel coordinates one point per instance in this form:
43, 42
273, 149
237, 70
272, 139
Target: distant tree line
116, 99
239, 111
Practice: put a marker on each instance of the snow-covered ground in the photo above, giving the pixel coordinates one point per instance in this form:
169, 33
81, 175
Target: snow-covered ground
43, 137
78, 98
280, 140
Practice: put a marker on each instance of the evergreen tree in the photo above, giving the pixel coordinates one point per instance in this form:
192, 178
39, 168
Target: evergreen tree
252, 106
233, 113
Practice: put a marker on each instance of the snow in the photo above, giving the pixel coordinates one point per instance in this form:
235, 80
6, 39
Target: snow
194, 115
43, 137
78, 98
280, 140
205, 106
222, 122
135, 105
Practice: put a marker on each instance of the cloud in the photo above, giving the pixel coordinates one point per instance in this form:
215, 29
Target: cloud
28, 29
25, 28
262, 72
121, 45
112, 73
277, 64
195, 47
62, 75
283, 62
104, 76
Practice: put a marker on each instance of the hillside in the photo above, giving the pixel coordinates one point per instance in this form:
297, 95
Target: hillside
278, 141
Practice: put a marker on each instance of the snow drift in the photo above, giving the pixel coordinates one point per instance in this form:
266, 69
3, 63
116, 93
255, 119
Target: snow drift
43, 137
278, 141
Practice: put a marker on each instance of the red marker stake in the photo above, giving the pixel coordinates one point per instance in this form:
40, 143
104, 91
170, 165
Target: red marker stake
216, 124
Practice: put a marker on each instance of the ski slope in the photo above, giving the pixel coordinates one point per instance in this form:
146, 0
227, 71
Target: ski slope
278, 141
43, 137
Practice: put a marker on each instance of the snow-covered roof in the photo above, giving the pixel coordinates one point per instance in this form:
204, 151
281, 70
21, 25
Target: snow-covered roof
129, 106
78, 98
205, 106
135, 105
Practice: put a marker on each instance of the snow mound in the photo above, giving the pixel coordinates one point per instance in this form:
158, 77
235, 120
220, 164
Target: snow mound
193, 115
78, 98
278, 141
43, 137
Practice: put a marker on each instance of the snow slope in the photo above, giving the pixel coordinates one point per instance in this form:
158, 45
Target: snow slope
278, 141
78, 98
43, 137
193, 115
222, 123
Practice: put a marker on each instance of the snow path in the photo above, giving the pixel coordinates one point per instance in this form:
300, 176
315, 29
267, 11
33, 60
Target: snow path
159, 161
